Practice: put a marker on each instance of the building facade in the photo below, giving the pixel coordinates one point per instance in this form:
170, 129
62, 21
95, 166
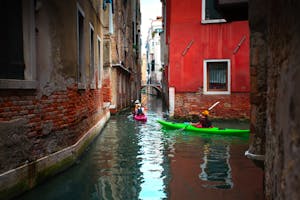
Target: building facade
206, 60
125, 61
61, 71
153, 50
275, 77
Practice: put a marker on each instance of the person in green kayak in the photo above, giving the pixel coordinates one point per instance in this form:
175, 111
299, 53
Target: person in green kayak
204, 121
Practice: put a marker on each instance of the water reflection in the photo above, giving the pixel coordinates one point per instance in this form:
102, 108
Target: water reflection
216, 169
136, 160
210, 166
116, 163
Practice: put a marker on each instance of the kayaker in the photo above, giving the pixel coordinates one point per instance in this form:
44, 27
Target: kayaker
204, 122
136, 103
140, 110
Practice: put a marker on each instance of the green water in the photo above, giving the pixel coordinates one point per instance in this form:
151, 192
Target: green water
135, 160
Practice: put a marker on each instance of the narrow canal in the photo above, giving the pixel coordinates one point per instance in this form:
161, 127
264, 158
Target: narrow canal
135, 160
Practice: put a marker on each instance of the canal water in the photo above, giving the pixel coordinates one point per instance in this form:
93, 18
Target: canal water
136, 160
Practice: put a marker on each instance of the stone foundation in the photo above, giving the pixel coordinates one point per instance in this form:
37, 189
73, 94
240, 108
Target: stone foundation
16, 181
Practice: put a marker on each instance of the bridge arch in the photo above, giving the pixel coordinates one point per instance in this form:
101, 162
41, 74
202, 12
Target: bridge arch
156, 87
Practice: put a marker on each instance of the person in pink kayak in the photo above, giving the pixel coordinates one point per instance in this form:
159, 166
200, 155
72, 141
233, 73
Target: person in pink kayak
139, 110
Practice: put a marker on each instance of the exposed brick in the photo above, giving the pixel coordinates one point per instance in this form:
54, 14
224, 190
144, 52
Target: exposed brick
234, 106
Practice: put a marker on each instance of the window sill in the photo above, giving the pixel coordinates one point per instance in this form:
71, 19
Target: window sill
216, 93
93, 86
18, 84
81, 86
213, 21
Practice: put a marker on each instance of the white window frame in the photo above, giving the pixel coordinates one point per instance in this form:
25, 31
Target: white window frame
205, 91
80, 58
92, 56
99, 66
209, 21
29, 51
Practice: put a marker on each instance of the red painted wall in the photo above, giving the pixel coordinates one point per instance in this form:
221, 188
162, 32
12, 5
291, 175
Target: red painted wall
210, 41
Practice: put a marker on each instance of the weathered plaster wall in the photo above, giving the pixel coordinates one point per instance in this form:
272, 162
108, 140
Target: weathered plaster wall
56, 45
125, 78
56, 114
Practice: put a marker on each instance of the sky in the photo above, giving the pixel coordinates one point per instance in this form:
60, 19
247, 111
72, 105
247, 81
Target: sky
150, 9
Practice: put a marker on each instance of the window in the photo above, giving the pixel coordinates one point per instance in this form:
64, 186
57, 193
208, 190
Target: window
209, 13
152, 65
11, 55
80, 48
216, 76
17, 50
92, 58
99, 62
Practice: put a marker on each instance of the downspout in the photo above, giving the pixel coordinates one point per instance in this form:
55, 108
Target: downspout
111, 23
110, 15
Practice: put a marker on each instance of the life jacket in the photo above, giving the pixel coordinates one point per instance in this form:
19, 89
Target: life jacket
205, 123
140, 111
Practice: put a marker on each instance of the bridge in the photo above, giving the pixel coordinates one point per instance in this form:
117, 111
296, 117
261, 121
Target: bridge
157, 87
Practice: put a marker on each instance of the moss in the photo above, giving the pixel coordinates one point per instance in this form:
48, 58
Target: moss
25, 185
84, 146
17, 189
55, 169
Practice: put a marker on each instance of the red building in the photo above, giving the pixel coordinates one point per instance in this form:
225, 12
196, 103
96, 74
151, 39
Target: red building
206, 59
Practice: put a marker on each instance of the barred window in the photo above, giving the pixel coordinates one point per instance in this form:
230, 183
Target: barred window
216, 76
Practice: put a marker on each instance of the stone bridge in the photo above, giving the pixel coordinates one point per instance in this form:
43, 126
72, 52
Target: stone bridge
157, 87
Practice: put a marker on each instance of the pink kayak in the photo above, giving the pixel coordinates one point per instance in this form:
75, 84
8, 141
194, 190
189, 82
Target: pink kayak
140, 117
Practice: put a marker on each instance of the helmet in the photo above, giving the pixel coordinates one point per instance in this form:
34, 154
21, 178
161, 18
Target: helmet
205, 113
137, 101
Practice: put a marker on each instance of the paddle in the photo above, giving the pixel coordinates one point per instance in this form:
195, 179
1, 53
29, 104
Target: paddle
210, 108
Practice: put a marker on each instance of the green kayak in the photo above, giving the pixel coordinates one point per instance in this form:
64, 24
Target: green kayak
214, 130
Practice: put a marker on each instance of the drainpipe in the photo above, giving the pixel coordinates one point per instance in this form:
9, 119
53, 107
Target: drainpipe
254, 156
109, 4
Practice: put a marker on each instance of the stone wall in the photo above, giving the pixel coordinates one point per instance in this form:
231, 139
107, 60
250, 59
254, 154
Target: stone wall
258, 74
234, 106
275, 31
283, 109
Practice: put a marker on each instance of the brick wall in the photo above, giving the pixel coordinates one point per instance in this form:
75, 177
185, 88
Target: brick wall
52, 122
234, 106
106, 89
